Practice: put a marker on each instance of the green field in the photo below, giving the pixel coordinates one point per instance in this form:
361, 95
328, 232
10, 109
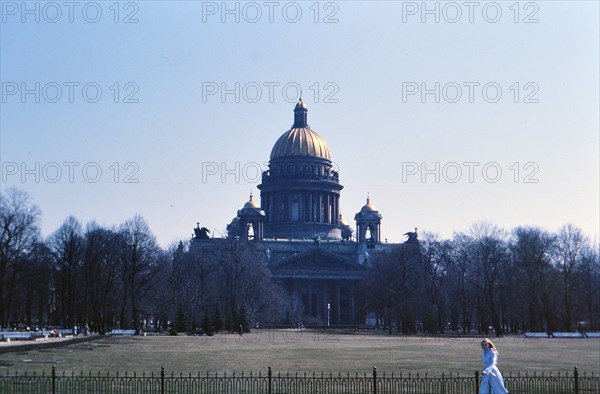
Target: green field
306, 351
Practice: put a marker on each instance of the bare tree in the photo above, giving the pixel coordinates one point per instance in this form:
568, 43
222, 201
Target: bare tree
488, 250
374, 292
530, 249
66, 248
102, 263
190, 281
257, 290
238, 281
433, 264
589, 288
159, 302
140, 256
391, 287
570, 244
34, 287
462, 283
19, 231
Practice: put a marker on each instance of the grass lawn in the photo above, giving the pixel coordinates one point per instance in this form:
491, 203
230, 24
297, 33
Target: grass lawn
307, 351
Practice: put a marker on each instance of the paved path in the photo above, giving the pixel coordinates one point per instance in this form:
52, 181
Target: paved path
44, 343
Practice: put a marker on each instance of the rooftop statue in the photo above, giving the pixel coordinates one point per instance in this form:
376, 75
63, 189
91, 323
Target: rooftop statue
201, 232
412, 237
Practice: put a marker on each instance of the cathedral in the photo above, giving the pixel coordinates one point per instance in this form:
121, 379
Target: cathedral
310, 250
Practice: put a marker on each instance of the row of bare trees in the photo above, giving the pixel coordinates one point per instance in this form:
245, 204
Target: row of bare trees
97, 275
119, 276
488, 280
485, 279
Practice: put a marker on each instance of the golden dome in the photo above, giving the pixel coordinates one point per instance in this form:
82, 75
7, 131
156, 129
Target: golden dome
300, 142
368, 207
251, 203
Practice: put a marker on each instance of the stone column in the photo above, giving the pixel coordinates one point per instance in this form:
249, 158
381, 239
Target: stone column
336, 212
327, 210
310, 207
319, 207
337, 304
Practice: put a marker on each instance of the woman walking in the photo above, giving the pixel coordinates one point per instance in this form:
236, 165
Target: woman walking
491, 378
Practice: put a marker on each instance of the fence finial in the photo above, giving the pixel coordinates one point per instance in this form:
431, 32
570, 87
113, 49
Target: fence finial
269, 380
374, 380
53, 379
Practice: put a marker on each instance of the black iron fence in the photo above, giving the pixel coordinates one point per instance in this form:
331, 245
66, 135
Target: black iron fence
270, 383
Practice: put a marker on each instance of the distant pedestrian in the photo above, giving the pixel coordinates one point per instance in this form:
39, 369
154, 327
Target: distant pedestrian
86, 329
491, 378
241, 330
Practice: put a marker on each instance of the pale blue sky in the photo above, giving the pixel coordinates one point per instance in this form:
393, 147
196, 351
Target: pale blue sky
374, 133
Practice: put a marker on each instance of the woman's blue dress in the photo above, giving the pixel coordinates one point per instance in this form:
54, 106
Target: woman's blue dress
492, 382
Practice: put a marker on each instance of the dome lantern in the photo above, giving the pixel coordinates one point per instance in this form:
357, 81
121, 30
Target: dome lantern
300, 115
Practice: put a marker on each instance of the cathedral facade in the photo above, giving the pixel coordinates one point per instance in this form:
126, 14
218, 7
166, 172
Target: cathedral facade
314, 254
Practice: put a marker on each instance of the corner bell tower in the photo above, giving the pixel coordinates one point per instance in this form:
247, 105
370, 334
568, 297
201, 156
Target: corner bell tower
368, 224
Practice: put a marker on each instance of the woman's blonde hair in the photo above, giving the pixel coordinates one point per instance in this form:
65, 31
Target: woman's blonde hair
491, 345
